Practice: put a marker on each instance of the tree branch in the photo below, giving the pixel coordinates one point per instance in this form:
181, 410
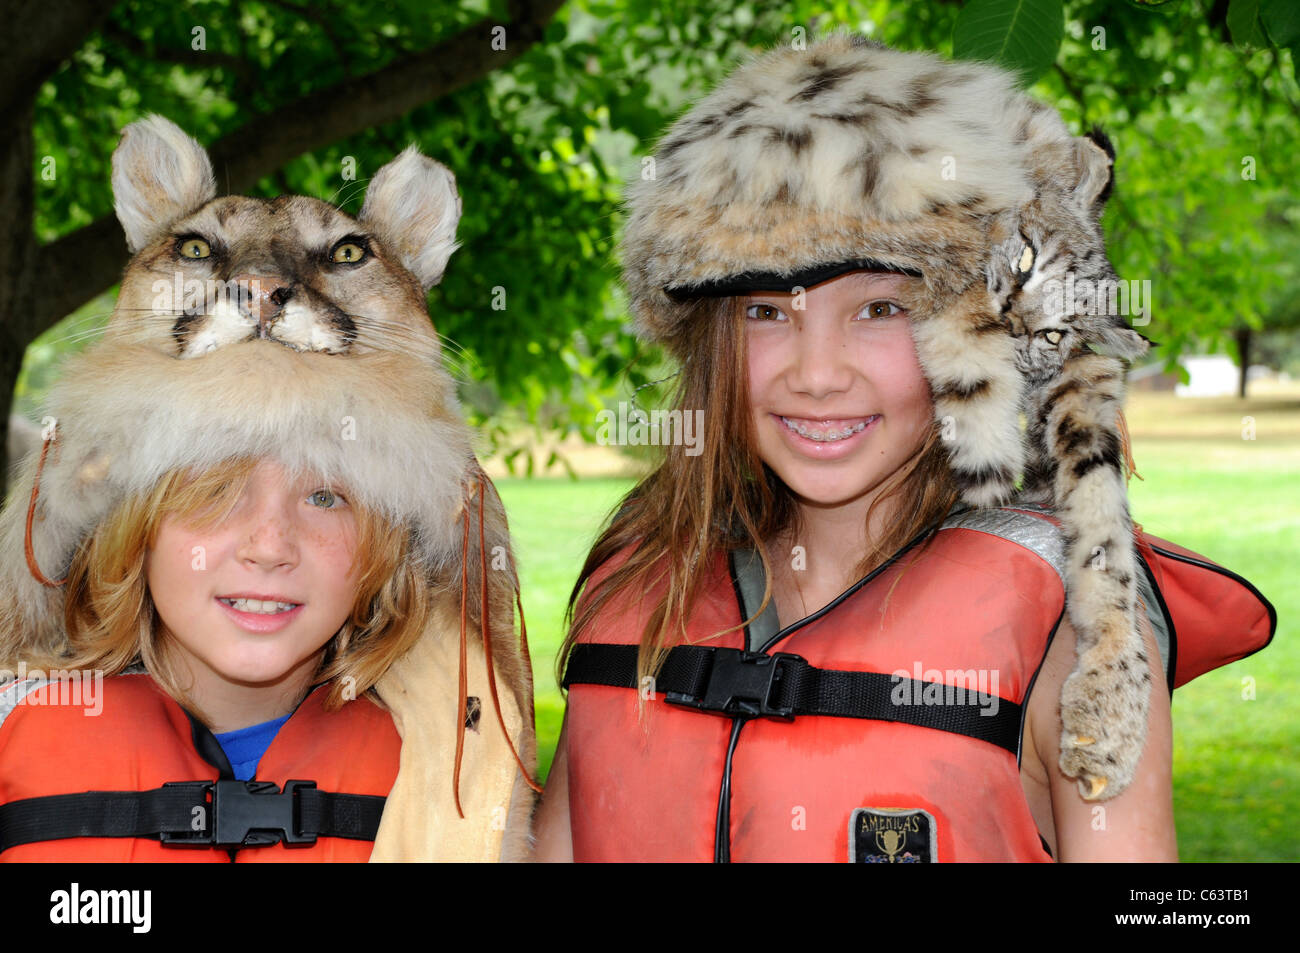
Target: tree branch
198, 59
76, 267
42, 35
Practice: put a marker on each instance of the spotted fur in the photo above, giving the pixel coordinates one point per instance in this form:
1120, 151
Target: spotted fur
849, 150
1071, 351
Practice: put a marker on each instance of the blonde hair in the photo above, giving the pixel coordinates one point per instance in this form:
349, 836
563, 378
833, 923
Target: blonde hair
111, 621
692, 508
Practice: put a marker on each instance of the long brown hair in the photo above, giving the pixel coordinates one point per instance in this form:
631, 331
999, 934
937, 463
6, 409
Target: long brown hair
111, 621
691, 508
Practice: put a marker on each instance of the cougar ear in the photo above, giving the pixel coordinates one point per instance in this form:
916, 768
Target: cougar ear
1095, 158
159, 175
413, 205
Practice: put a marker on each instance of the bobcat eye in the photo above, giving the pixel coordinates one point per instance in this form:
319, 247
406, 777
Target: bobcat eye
192, 247
347, 253
1025, 263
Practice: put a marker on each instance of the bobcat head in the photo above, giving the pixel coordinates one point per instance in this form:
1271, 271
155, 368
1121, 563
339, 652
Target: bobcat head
1050, 278
209, 272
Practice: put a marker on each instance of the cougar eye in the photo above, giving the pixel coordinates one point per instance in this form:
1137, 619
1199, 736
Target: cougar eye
347, 252
194, 247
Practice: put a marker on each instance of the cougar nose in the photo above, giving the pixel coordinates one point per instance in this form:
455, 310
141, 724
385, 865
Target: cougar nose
262, 298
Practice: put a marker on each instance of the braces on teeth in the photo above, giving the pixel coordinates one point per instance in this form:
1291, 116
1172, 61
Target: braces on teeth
828, 436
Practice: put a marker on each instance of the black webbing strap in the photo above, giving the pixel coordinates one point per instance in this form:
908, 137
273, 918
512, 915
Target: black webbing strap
742, 684
225, 813
354, 816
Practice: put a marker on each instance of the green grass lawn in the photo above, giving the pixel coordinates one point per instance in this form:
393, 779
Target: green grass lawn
1234, 500
553, 524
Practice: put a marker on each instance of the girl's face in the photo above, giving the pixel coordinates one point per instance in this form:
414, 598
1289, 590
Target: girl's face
253, 602
837, 393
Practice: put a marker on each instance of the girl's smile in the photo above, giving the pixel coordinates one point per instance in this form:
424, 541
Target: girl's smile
828, 437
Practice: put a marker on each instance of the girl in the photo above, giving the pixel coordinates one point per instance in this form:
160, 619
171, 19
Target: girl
257, 603
257, 520
832, 658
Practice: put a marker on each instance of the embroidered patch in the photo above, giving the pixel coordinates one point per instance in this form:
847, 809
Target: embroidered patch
891, 835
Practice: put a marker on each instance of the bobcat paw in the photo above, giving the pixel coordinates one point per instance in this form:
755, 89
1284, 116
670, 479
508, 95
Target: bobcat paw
1104, 720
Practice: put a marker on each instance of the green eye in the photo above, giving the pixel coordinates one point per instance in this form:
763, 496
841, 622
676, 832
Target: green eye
325, 499
195, 248
347, 253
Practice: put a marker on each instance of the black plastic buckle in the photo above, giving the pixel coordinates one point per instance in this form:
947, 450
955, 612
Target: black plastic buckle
739, 685
243, 814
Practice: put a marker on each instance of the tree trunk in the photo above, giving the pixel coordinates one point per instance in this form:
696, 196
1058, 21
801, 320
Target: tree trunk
17, 260
1242, 335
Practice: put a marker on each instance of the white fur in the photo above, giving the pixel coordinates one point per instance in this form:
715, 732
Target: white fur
127, 415
159, 175
414, 206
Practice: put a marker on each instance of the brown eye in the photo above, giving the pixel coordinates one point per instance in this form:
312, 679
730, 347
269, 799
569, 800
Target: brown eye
764, 312
347, 253
873, 309
195, 248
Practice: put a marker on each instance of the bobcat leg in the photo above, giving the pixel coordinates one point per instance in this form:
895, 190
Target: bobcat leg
1104, 701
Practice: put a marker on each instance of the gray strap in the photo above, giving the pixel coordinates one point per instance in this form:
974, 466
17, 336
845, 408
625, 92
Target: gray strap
748, 568
1037, 535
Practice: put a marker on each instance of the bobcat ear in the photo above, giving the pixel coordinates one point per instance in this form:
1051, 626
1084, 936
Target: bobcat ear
159, 174
1095, 161
413, 205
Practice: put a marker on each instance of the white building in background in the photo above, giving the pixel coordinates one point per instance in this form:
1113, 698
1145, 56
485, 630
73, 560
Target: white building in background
1213, 375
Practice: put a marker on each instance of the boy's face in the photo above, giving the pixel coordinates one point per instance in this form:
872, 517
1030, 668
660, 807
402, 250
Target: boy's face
839, 399
289, 543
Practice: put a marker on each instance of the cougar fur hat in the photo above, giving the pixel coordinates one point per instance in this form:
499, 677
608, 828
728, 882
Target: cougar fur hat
355, 395
808, 163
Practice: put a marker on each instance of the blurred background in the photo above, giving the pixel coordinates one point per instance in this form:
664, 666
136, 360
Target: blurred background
544, 109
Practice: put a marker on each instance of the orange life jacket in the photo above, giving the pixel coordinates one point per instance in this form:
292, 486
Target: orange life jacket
715, 771
141, 739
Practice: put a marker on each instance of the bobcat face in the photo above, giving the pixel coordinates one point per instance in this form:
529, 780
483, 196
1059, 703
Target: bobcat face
210, 273
1050, 278
1029, 276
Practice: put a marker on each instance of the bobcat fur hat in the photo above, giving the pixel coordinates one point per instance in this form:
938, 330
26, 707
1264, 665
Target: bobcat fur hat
329, 368
807, 163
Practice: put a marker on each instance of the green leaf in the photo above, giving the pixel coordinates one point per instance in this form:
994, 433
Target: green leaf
1243, 23
1281, 18
1023, 35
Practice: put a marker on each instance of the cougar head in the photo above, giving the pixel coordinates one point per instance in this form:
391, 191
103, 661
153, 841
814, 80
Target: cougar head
209, 272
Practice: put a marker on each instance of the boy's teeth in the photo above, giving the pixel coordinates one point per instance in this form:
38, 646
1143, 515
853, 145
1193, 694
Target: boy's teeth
258, 606
825, 436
